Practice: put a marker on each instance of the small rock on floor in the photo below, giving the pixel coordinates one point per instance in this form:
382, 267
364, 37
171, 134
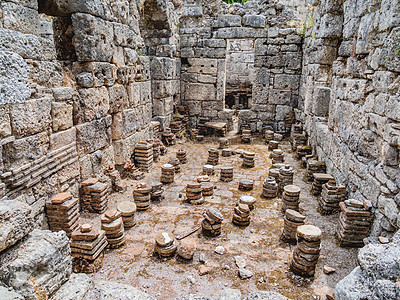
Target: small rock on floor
220, 250
245, 274
240, 262
203, 270
329, 270
202, 258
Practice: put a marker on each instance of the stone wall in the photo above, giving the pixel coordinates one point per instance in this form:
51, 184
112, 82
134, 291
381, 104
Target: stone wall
207, 29
77, 84
350, 99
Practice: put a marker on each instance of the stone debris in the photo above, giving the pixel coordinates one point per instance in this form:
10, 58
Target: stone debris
62, 213
207, 189
166, 245
156, 127
127, 210
144, 156
142, 196
272, 145
202, 258
354, 223
270, 188
246, 184
292, 221
303, 151
194, 193
277, 156
157, 191
331, 195
203, 270
187, 248
329, 270
297, 136
208, 170
177, 128
269, 136
87, 249
319, 180
248, 200
240, 262
167, 173
203, 178
213, 157
245, 273
94, 195
168, 138
305, 255
130, 171
117, 185
176, 163
212, 223
241, 215
226, 174
246, 136
219, 250
285, 177
156, 148
227, 152
248, 159
223, 143
290, 197
314, 166
182, 156
112, 224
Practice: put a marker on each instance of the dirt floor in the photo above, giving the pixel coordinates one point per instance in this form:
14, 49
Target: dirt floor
259, 243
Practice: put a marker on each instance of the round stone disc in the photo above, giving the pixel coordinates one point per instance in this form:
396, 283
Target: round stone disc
249, 200
292, 189
164, 239
309, 232
127, 208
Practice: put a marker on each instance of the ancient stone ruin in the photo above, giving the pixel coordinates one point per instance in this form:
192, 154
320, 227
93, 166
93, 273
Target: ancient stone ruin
199, 149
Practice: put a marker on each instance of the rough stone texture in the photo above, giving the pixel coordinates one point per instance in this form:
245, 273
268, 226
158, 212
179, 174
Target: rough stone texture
111, 290
76, 288
43, 258
6, 294
266, 296
376, 276
15, 222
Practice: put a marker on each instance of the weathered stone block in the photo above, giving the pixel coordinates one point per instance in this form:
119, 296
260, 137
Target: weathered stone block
124, 124
118, 98
26, 45
31, 117
203, 65
321, 99
279, 97
164, 68
331, 26
15, 222
5, 122
257, 21
192, 11
43, 260
286, 82
93, 38
240, 32
61, 114
93, 135
228, 21
196, 91
94, 104
62, 138
46, 73
20, 18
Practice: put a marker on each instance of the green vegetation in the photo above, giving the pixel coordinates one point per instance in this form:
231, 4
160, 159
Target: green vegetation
236, 1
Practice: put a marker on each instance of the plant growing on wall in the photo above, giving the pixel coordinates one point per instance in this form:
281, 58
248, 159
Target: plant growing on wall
236, 1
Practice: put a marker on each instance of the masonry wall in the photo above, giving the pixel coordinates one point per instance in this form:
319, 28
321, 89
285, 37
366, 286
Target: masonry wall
350, 99
76, 92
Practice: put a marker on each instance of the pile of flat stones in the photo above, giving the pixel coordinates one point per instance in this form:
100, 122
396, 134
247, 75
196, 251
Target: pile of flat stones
269, 136
248, 200
246, 184
156, 148
167, 173
176, 163
208, 170
303, 151
241, 215
203, 178
144, 156
213, 157
127, 210
285, 176
305, 255
354, 222
331, 195
130, 171
248, 159
223, 143
226, 174
194, 193
292, 220
272, 145
142, 196
168, 137
246, 136
157, 191
270, 188
277, 156
290, 197
166, 244
87, 248
94, 195
274, 173
182, 156
319, 180
112, 224
227, 152
212, 223
62, 213
207, 189
314, 166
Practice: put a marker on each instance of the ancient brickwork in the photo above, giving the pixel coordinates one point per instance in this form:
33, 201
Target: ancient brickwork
77, 84
257, 34
350, 99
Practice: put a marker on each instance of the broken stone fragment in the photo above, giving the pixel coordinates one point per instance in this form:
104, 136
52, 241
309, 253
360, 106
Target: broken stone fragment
329, 270
245, 274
